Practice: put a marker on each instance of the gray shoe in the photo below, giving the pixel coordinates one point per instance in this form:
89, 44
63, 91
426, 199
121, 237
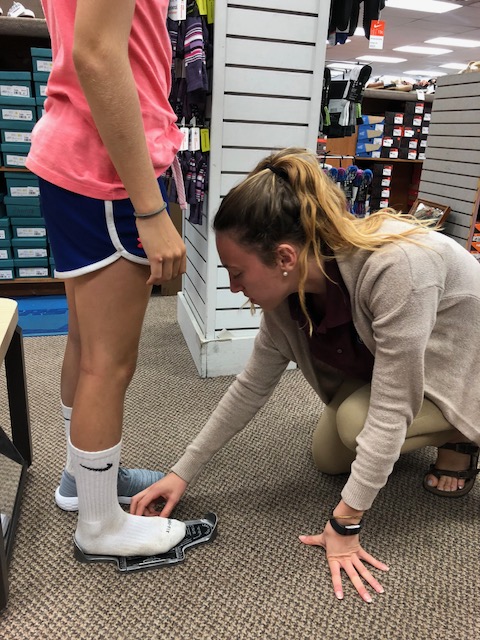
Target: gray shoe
130, 482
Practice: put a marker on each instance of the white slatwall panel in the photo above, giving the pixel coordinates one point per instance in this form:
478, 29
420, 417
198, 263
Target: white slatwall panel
241, 52
268, 66
451, 170
272, 25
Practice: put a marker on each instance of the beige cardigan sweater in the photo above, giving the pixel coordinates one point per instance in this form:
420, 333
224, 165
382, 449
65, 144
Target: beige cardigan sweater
417, 308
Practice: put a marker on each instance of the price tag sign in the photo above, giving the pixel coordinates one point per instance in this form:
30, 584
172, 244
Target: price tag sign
177, 9
194, 144
186, 138
377, 33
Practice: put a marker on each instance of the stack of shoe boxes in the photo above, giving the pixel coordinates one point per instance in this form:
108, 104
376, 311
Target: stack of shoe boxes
24, 247
370, 136
381, 186
399, 135
405, 134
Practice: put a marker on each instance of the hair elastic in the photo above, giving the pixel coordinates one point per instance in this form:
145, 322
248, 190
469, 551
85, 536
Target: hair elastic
281, 173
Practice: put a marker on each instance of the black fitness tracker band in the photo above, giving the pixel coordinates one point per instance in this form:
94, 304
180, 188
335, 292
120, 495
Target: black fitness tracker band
346, 529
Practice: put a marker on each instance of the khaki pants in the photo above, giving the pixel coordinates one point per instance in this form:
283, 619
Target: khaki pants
334, 439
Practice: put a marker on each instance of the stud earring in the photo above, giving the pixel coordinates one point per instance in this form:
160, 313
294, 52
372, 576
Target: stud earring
285, 274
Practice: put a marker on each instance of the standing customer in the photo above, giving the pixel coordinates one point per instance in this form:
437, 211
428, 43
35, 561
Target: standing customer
379, 313
107, 135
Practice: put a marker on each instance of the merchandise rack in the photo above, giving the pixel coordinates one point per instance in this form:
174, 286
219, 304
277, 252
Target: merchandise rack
17, 35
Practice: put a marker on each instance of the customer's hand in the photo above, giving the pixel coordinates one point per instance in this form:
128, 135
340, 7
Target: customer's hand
164, 247
345, 552
170, 488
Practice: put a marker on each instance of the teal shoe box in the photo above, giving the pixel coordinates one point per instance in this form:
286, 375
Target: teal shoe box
28, 227
40, 112
29, 248
31, 267
22, 185
15, 75
13, 135
16, 84
14, 155
16, 125
40, 89
41, 77
5, 254
5, 229
14, 109
41, 60
8, 200
24, 176
6, 270
23, 210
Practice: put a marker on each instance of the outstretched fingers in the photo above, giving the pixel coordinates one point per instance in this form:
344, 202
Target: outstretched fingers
358, 574
363, 555
347, 565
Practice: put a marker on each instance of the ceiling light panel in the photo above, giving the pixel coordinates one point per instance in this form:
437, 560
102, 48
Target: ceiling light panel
381, 59
424, 74
428, 51
453, 65
426, 6
454, 42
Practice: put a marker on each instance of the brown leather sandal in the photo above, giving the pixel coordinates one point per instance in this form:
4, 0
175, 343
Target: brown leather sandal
468, 475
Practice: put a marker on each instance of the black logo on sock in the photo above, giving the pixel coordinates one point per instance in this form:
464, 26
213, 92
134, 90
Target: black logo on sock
109, 466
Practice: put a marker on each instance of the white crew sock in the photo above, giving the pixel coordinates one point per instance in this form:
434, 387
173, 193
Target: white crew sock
67, 416
103, 527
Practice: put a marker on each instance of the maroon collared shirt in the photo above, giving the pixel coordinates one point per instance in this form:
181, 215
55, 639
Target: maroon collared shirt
334, 340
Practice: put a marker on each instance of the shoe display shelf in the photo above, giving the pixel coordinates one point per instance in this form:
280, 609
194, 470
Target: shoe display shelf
17, 37
405, 172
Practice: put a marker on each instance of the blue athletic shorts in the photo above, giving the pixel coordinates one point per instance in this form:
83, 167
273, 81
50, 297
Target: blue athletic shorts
86, 234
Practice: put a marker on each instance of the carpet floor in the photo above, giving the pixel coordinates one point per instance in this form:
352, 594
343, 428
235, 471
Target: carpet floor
255, 581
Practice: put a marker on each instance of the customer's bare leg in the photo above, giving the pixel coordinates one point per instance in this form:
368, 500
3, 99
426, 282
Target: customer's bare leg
110, 307
71, 358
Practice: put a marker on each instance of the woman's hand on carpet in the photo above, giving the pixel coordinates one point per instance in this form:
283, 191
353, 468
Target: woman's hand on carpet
170, 488
345, 552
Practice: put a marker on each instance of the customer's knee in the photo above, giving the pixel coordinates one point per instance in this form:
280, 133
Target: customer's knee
101, 367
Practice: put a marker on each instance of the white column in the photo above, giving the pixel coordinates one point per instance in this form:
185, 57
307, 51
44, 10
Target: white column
267, 82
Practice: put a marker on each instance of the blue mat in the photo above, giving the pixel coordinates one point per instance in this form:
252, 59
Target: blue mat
43, 315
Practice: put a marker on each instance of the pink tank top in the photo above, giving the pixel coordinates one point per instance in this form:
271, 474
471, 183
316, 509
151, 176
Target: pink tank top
66, 147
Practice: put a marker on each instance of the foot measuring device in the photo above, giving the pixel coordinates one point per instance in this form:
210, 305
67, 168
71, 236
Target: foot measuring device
197, 532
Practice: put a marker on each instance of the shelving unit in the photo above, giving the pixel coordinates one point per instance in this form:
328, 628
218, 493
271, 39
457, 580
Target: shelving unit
342, 150
377, 102
17, 36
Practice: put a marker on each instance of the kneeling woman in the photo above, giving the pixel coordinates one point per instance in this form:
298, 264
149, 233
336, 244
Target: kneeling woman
369, 309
